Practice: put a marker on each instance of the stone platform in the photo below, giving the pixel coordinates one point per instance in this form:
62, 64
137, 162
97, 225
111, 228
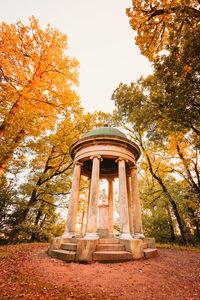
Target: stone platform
105, 249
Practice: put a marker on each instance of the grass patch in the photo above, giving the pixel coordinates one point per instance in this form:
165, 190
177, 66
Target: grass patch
177, 247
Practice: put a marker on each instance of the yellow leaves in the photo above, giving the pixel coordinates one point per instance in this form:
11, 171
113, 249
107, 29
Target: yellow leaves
159, 23
38, 76
33, 61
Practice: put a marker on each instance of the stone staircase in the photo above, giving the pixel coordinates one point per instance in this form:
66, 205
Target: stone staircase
67, 251
149, 252
110, 249
107, 250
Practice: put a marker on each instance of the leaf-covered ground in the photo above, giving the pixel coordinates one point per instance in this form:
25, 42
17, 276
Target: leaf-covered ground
27, 272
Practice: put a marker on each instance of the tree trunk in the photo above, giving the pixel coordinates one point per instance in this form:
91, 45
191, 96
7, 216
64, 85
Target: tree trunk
180, 224
195, 186
6, 157
34, 196
170, 224
34, 235
23, 215
42, 223
172, 202
12, 112
195, 222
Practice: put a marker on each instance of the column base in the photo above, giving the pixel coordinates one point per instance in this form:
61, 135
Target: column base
138, 235
68, 235
91, 236
125, 236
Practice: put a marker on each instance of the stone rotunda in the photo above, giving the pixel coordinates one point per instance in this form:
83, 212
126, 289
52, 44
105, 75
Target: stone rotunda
104, 153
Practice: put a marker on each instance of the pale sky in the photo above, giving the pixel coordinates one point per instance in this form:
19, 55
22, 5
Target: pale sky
99, 36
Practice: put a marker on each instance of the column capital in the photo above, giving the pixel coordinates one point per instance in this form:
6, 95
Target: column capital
76, 162
110, 179
133, 168
96, 156
120, 159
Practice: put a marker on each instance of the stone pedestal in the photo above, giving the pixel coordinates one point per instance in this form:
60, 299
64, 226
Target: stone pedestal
85, 249
103, 227
135, 246
151, 243
103, 216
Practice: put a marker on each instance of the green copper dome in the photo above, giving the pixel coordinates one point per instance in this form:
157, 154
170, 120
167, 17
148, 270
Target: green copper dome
108, 131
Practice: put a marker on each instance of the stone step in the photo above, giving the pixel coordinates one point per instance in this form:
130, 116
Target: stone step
110, 247
74, 240
63, 254
145, 246
112, 255
69, 246
71, 240
150, 252
108, 241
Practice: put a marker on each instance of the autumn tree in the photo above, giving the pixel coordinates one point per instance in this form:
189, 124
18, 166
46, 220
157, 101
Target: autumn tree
163, 164
160, 24
37, 82
51, 167
178, 73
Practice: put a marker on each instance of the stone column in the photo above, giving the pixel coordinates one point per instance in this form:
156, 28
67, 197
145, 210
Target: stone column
88, 205
91, 232
123, 202
110, 203
137, 217
130, 207
73, 202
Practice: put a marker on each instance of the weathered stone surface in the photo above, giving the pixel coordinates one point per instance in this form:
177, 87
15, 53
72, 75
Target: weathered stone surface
85, 249
136, 204
103, 216
72, 240
63, 255
135, 246
70, 227
110, 247
112, 255
108, 241
103, 232
149, 253
55, 243
150, 242
69, 246
145, 246
123, 200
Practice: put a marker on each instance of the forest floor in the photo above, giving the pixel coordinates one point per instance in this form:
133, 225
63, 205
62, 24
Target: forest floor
27, 272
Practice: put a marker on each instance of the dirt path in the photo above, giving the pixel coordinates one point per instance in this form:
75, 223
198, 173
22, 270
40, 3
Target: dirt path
172, 274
